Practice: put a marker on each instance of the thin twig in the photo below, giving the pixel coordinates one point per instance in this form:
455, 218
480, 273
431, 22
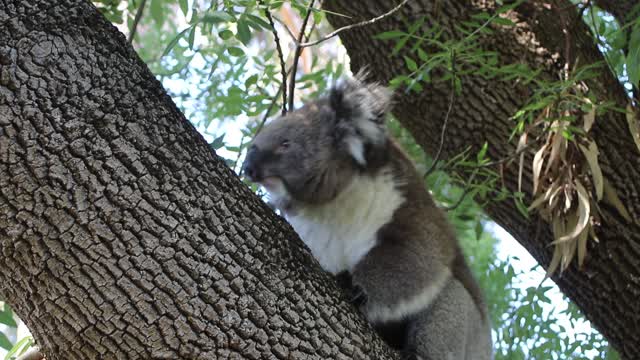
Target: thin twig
506, 158
273, 103
567, 43
452, 99
275, 97
352, 26
466, 192
235, 163
136, 21
280, 56
296, 55
284, 25
266, 114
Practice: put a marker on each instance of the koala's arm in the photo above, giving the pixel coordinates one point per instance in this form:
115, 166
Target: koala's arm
398, 278
417, 284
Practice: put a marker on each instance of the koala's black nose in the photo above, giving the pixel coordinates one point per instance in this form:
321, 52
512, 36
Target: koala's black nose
250, 171
250, 166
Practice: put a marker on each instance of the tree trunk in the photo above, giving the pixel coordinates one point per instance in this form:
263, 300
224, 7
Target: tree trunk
608, 286
122, 234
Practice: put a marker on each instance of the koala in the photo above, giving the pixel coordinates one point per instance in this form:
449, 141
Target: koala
357, 201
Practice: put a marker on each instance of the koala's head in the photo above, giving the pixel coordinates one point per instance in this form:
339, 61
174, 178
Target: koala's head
312, 153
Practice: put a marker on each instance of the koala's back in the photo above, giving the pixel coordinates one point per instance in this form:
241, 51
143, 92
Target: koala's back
417, 272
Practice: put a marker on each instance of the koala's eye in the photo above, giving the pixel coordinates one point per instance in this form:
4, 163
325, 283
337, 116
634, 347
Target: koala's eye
284, 144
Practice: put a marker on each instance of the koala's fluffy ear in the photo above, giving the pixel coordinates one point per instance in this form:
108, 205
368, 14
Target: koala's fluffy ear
360, 110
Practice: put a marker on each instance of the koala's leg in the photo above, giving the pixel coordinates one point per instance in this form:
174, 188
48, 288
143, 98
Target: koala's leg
398, 280
452, 328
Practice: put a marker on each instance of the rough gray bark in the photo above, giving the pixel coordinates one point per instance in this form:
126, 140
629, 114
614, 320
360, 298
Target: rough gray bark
608, 286
122, 234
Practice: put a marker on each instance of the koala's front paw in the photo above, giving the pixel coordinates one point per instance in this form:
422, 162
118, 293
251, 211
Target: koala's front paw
357, 296
344, 280
355, 293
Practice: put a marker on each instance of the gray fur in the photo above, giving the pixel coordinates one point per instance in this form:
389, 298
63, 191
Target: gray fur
357, 201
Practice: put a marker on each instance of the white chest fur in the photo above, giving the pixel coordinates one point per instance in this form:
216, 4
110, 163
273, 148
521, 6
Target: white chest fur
341, 232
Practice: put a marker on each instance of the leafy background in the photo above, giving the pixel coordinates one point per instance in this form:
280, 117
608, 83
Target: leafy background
219, 62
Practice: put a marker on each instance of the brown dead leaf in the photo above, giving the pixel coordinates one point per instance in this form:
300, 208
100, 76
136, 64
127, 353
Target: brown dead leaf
553, 265
568, 250
538, 160
568, 196
593, 235
542, 198
589, 117
611, 198
522, 142
582, 215
558, 145
537, 202
557, 225
634, 127
582, 245
591, 154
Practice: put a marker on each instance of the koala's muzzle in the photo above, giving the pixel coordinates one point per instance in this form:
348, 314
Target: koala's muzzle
251, 167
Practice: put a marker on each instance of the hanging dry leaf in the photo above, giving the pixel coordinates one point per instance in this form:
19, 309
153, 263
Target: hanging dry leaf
582, 215
537, 202
568, 196
589, 117
538, 160
611, 198
634, 128
568, 249
591, 154
553, 196
558, 146
557, 225
593, 235
553, 265
521, 144
582, 245
558, 177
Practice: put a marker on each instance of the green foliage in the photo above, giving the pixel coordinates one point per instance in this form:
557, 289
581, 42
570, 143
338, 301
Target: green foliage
620, 44
19, 348
6, 318
109, 9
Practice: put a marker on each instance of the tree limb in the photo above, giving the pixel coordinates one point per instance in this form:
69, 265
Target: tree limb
136, 20
353, 26
283, 71
296, 54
